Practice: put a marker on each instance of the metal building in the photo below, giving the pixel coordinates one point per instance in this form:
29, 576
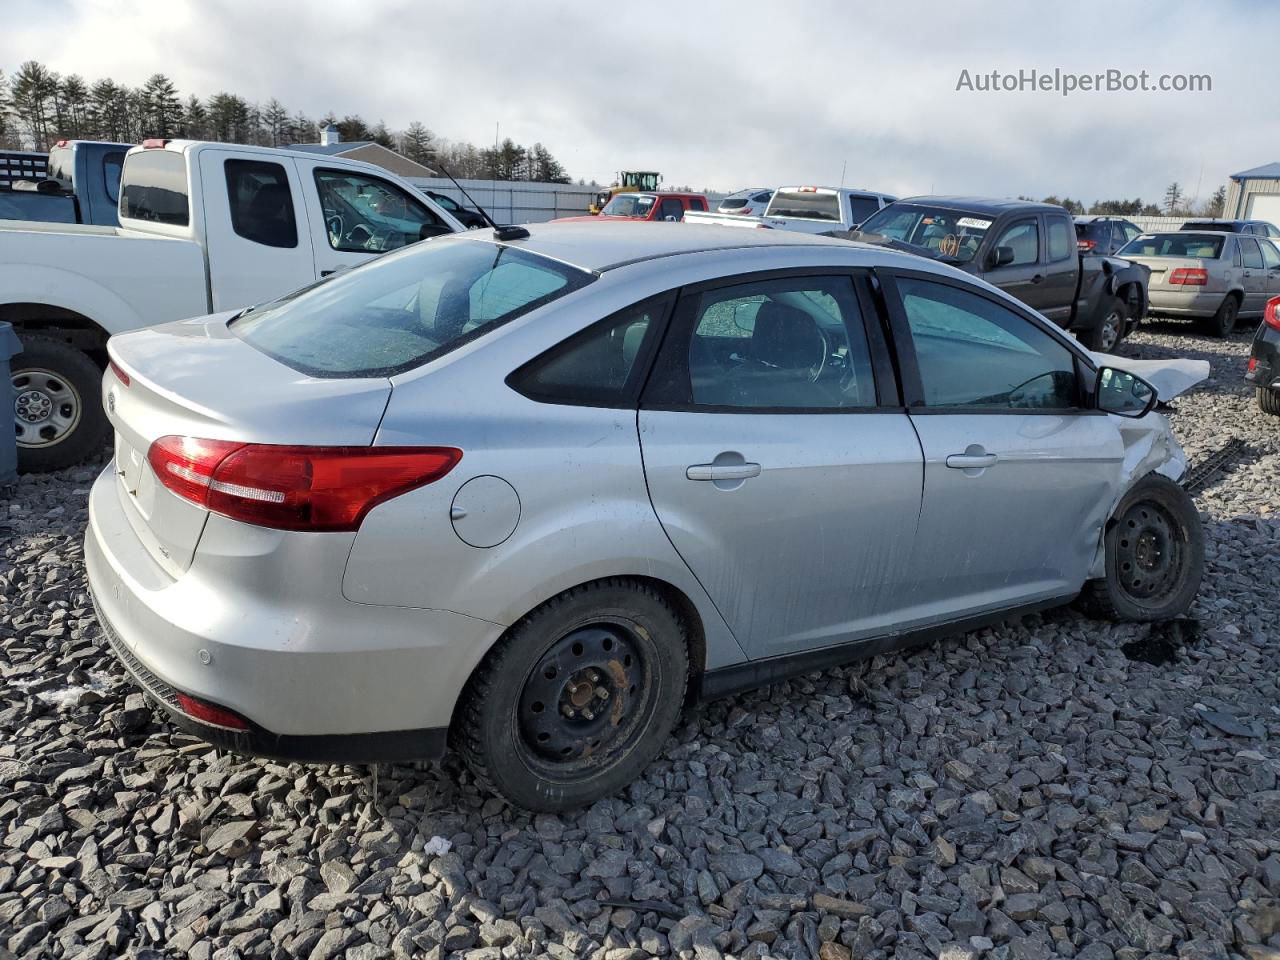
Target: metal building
1254, 194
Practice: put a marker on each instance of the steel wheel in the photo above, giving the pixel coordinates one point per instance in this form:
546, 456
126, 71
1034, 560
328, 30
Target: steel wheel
1149, 554
581, 701
46, 407
1109, 332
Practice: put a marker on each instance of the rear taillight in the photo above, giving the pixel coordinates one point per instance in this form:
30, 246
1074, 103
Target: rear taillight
294, 488
120, 374
210, 713
154, 143
1086, 244
1189, 277
1271, 315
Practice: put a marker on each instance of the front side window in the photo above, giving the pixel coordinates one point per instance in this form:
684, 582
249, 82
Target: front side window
153, 187
1060, 245
401, 311
598, 367
364, 214
1249, 250
796, 344
672, 208
975, 353
1023, 238
261, 203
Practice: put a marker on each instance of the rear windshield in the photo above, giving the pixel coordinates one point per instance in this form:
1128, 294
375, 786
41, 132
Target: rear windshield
734, 203
405, 309
153, 187
953, 235
808, 204
1094, 230
1199, 246
1227, 225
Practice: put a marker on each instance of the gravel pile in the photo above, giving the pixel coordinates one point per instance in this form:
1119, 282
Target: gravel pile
1021, 792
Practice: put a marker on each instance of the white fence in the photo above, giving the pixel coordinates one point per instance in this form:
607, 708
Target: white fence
515, 201
1157, 224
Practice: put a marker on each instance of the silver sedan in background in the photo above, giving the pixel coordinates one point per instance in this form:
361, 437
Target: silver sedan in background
525, 492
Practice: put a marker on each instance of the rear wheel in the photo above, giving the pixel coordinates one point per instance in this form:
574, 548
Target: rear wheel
1224, 321
1110, 328
57, 410
1154, 555
1268, 400
577, 698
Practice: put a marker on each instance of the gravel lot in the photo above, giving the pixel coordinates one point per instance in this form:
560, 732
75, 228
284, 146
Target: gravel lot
1025, 792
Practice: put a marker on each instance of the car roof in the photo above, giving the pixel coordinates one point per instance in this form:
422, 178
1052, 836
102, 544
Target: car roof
1093, 217
989, 205
656, 193
600, 246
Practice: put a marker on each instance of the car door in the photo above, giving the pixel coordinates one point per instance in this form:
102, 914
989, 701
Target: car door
1024, 276
357, 216
1061, 269
257, 234
778, 461
1271, 262
1018, 474
1255, 277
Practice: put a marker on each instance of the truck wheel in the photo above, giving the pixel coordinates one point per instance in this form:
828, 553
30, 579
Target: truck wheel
1268, 400
577, 698
1224, 321
1107, 332
57, 412
1154, 548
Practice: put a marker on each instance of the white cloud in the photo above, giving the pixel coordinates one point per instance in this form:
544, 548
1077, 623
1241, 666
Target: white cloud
723, 94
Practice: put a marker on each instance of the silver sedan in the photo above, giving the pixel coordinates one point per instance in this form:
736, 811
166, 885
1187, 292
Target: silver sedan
527, 492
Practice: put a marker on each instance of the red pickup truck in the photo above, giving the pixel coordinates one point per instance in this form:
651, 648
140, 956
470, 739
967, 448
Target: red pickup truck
648, 205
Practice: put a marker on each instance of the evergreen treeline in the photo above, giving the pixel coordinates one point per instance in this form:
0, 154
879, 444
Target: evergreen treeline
38, 107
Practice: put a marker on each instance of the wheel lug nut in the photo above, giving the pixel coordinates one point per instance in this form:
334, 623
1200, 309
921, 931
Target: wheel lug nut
602, 693
586, 712
568, 711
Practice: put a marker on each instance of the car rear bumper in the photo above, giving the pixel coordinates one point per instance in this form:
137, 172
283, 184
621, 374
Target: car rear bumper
316, 677
1179, 303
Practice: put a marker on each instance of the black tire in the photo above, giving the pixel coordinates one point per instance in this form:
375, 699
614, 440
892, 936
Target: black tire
1109, 329
1224, 321
1268, 400
68, 380
1154, 549
616, 637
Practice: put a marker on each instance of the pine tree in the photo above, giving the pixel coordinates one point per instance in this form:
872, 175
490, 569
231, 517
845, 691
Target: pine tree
162, 106
32, 91
275, 122
75, 102
195, 119
418, 144
302, 129
1172, 197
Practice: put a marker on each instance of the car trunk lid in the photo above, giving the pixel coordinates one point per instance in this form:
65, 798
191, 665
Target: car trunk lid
1162, 268
196, 378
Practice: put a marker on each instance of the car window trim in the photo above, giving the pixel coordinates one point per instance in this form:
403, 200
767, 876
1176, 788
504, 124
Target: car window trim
681, 320
913, 386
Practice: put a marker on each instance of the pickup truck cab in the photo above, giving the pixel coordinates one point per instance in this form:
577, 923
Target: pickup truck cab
204, 228
808, 210
80, 184
648, 205
1029, 250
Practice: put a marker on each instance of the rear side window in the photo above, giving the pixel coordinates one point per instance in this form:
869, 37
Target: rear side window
405, 309
697, 203
600, 367
153, 187
261, 203
1060, 245
862, 207
1252, 255
1269, 254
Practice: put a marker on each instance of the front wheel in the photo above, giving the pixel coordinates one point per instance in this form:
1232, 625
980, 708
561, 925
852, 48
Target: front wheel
56, 410
1224, 321
577, 698
1154, 548
1107, 332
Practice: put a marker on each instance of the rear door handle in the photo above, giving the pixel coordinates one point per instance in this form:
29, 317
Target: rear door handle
1037, 278
971, 461
723, 471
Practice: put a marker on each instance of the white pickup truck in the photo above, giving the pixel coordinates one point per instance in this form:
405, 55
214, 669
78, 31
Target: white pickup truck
204, 227
807, 210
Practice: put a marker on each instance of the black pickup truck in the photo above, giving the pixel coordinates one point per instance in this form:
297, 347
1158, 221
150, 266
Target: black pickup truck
1026, 249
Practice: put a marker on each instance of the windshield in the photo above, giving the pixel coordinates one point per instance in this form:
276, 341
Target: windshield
634, 205
809, 203
952, 234
405, 309
1199, 246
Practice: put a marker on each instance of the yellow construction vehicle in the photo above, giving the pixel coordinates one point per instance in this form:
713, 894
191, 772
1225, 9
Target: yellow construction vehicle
627, 180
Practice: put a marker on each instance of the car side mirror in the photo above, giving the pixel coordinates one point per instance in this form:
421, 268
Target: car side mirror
1000, 257
1122, 393
429, 230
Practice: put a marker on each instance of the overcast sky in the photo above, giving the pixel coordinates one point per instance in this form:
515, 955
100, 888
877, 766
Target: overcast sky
727, 94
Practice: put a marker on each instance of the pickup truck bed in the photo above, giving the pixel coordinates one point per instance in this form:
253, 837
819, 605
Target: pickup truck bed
806, 210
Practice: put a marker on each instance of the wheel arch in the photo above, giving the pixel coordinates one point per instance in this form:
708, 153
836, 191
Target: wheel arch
56, 323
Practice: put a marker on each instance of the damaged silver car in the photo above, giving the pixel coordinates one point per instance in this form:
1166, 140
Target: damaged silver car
525, 492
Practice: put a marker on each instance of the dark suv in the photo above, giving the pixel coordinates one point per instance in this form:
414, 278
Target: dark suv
1103, 236
1259, 228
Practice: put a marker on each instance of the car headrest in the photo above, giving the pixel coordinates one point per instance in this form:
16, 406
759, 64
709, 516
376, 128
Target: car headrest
786, 337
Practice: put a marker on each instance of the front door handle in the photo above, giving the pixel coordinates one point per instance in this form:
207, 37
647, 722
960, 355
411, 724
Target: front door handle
1037, 278
327, 273
971, 461
723, 471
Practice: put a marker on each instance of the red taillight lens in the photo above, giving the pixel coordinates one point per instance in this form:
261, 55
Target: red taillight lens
1189, 277
208, 713
294, 488
154, 143
1086, 244
120, 374
1272, 314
